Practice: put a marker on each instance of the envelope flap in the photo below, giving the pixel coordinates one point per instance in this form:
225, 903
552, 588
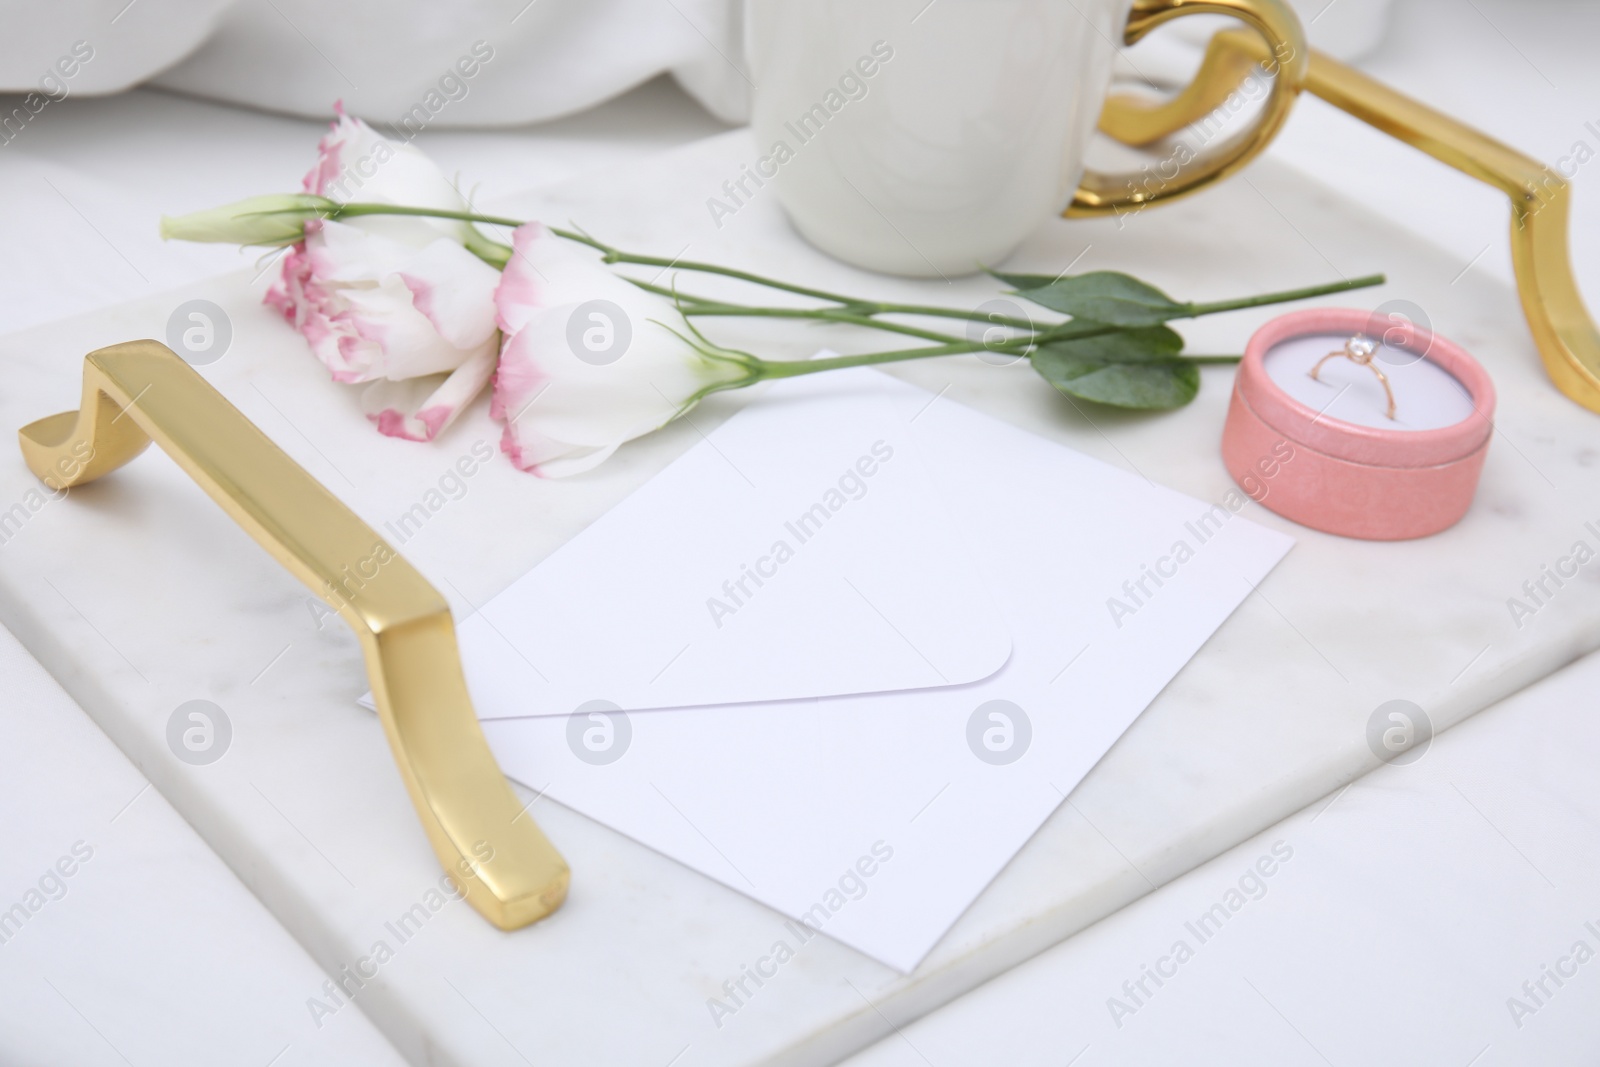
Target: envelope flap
798, 551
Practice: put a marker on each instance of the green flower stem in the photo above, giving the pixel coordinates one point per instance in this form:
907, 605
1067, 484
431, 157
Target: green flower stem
769, 369
608, 253
690, 305
613, 255
1196, 310
792, 368
817, 315
701, 306
675, 294
934, 311
355, 210
859, 309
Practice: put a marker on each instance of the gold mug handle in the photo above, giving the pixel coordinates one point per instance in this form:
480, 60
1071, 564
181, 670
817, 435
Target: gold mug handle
1541, 199
1288, 62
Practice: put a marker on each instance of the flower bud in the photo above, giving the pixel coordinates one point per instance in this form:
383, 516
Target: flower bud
276, 219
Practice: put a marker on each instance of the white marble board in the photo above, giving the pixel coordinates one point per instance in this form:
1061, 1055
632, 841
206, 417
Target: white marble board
138, 594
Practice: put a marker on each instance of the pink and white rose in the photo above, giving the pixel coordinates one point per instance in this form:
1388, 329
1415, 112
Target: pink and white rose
398, 302
587, 362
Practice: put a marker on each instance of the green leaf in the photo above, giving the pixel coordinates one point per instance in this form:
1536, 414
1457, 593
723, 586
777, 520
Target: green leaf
1106, 296
1147, 344
1136, 368
1023, 281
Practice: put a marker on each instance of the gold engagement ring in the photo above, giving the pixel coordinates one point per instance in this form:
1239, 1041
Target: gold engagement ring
1360, 351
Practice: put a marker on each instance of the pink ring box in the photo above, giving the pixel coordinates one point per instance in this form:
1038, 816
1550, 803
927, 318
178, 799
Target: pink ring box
1381, 481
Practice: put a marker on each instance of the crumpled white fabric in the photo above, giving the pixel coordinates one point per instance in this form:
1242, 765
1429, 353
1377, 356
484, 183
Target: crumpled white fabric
385, 58
390, 59
125, 44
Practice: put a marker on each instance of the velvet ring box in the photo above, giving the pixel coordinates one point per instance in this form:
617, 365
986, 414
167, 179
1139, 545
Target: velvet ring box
1310, 434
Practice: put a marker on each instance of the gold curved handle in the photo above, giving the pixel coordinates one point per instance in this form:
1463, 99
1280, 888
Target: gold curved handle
1277, 30
139, 391
1562, 328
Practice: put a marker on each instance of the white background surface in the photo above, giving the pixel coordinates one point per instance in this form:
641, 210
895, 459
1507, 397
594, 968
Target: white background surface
150, 950
1415, 904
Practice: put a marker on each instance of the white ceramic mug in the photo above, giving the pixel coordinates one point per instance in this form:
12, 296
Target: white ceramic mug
930, 138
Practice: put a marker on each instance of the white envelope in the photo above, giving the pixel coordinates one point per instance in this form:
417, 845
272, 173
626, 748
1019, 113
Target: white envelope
800, 553
877, 819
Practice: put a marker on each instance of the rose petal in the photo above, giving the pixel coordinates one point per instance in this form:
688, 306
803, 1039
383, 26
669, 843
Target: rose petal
357, 164
547, 458
454, 289
546, 270
417, 410
354, 296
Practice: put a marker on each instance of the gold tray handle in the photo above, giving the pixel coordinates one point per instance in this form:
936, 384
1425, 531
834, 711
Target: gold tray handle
139, 391
1540, 197
1282, 44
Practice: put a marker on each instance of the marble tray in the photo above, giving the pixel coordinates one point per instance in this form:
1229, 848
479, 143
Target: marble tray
129, 944
138, 594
